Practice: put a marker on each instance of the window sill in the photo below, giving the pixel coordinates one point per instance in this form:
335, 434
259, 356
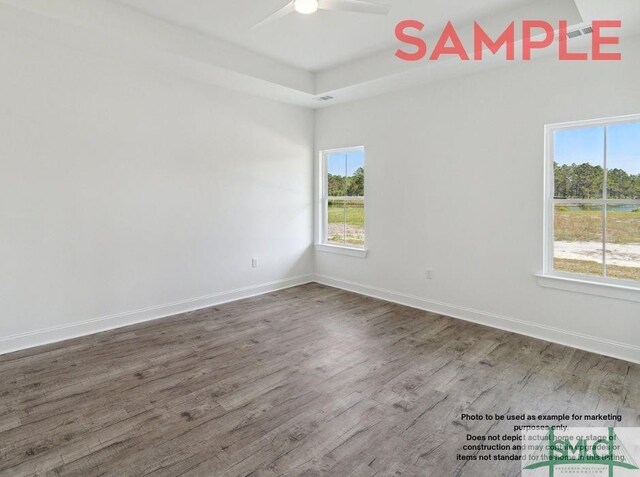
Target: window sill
341, 250
588, 287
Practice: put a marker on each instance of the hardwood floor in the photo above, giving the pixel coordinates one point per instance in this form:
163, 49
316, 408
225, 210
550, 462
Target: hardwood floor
305, 381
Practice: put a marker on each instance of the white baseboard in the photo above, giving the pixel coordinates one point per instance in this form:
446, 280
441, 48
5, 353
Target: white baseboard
589, 343
73, 330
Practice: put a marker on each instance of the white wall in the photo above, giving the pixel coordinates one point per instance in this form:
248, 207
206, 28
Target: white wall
125, 189
454, 182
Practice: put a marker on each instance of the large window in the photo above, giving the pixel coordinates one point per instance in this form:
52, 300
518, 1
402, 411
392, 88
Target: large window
342, 202
593, 200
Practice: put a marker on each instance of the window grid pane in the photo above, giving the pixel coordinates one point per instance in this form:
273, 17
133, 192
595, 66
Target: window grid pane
354, 216
622, 255
336, 184
578, 239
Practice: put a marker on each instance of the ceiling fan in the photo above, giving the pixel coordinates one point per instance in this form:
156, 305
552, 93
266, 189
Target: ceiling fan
311, 6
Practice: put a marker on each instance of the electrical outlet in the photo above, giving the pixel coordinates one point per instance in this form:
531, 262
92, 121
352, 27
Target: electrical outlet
429, 273
254, 263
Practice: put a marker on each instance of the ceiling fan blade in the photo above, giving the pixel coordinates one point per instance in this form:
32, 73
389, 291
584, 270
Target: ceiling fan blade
357, 6
288, 8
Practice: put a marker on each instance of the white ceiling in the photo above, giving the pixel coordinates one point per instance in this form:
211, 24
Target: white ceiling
312, 42
298, 59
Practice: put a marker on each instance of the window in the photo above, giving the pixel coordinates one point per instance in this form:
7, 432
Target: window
593, 201
342, 200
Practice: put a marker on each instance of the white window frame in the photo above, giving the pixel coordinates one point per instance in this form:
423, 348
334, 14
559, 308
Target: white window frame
602, 286
322, 245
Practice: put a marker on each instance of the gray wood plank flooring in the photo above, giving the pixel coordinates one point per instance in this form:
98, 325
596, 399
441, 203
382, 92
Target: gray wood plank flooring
306, 381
